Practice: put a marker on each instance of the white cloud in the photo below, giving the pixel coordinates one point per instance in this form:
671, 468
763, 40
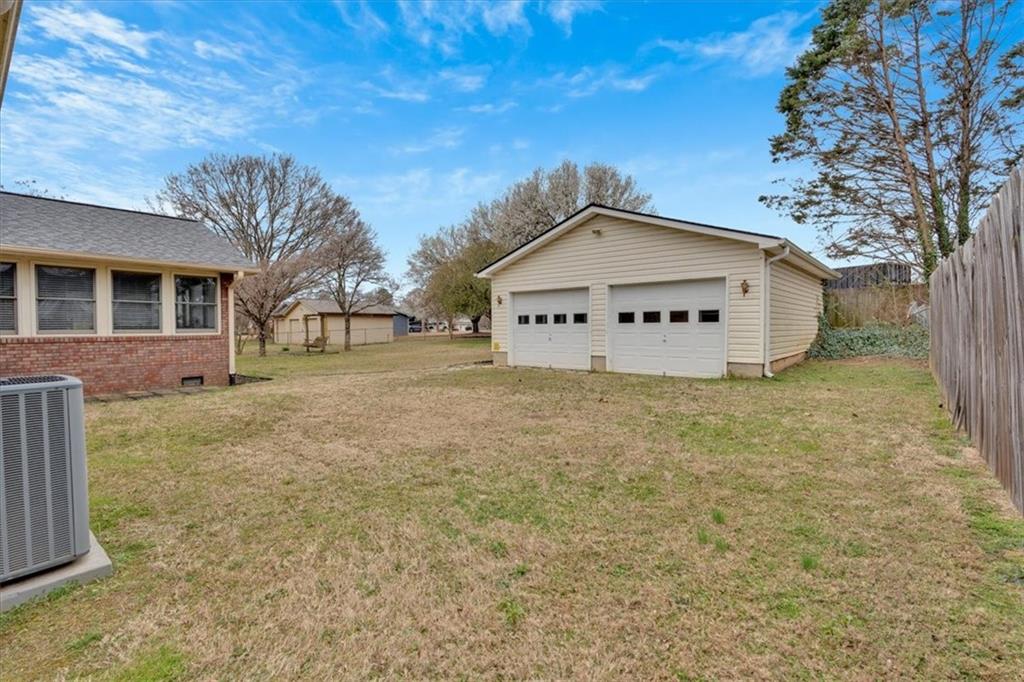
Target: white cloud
768, 45
591, 80
465, 78
491, 108
84, 27
563, 12
227, 51
390, 85
441, 138
443, 25
520, 143
361, 18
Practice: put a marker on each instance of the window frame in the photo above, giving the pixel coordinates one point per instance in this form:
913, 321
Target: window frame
13, 298
564, 316
215, 330
576, 316
540, 318
653, 313
632, 317
160, 302
35, 265
716, 311
685, 313
520, 320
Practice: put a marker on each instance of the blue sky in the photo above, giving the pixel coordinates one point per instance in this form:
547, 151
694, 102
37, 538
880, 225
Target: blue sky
415, 111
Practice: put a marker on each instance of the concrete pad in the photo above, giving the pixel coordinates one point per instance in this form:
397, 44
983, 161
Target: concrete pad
93, 565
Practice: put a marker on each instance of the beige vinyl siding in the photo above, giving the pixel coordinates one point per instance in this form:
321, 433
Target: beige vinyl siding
625, 252
366, 329
796, 301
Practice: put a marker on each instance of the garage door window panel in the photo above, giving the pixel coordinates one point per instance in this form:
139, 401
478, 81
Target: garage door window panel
524, 319
652, 316
579, 318
708, 316
560, 318
627, 318
540, 319
678, 316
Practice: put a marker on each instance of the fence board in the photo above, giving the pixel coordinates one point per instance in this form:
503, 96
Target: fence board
977, 336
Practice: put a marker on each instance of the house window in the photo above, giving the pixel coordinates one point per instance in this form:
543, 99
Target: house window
65, 299
652, 316
708, 316
540, 319
678, 316
195, 302
8, 298
524, 319
579, 318
136, 301
626, 318
560, 318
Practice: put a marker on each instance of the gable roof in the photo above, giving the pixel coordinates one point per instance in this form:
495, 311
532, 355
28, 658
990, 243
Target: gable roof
326, 306
767, 242
55, 226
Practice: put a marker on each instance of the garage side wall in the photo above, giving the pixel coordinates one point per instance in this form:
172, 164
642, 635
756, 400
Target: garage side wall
796, 302
365, 329
290, 330
623, 252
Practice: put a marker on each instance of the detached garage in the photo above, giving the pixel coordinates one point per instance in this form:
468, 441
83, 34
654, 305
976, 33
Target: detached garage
613, 290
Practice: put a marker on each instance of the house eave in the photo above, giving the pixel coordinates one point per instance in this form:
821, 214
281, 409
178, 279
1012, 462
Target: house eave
35, 252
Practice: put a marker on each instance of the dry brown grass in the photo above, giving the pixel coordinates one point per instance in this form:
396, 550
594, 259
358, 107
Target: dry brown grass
491, 523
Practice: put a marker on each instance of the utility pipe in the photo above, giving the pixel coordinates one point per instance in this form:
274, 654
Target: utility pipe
767, 307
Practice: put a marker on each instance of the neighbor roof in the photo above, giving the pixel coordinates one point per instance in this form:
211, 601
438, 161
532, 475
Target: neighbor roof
55, 226
767, 242
326, 306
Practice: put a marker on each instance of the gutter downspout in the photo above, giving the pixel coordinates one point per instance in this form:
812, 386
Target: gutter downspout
767, 307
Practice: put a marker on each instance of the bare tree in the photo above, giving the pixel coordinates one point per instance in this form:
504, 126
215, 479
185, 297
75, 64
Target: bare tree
545, 198
904, 109
277, 212
353, 272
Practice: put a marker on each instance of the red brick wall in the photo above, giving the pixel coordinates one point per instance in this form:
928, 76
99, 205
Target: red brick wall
118, 364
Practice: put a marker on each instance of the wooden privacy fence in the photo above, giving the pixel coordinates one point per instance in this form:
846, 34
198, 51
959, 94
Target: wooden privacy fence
977, 336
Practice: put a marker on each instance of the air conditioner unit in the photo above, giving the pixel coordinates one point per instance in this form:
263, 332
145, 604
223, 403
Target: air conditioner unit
44, 511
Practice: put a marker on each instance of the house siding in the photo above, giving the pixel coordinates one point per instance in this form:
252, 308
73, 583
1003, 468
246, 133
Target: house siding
123, 363
794, 306
627, 251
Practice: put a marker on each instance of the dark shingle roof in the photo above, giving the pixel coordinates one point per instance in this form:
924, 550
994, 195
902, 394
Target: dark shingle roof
57, 225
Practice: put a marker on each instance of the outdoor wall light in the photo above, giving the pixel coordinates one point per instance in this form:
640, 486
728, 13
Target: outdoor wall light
744, 287
499, 299
597, 231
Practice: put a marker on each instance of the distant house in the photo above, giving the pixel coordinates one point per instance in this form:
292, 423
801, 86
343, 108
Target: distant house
124, 300
306, 319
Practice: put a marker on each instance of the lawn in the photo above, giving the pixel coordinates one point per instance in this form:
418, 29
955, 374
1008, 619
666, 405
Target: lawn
344, 521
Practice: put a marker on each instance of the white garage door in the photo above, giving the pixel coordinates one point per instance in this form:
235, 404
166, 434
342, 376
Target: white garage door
675, 328
551, 329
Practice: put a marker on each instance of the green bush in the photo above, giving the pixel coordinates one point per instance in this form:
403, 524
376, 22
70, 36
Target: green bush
876, 339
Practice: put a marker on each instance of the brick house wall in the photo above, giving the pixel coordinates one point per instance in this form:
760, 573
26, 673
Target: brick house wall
123, 363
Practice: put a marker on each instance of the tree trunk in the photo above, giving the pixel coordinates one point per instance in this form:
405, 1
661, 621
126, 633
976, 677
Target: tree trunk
348, 331
451, 328
476, 323
263, 341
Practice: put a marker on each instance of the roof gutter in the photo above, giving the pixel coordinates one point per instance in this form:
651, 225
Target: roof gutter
767, 306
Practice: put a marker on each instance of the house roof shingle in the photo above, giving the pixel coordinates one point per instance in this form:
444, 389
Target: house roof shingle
65, 226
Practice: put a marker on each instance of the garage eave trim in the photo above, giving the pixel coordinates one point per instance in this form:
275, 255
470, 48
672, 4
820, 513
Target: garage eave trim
588, 212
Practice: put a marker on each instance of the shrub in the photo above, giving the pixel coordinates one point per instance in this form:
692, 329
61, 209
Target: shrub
875, 339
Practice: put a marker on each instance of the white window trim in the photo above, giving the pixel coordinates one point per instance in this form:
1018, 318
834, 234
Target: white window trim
215, 331
17, 305
96, 279
26, 304
114, 331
